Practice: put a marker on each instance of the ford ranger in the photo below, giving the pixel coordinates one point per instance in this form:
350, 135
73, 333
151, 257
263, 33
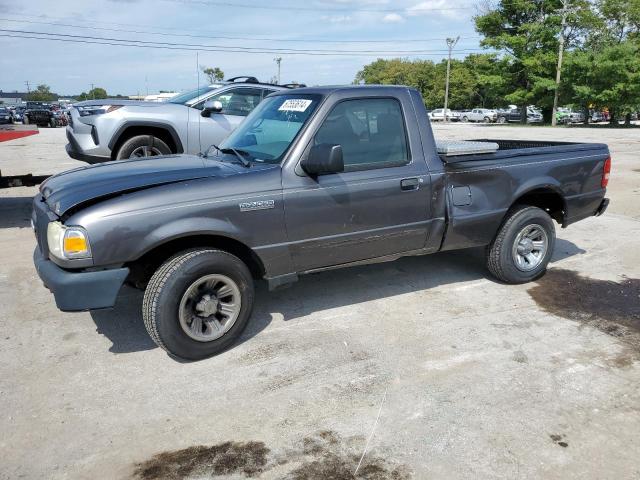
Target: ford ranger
312, 179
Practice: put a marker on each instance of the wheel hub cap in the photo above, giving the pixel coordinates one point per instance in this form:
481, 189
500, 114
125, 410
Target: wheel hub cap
209, 307
530, 247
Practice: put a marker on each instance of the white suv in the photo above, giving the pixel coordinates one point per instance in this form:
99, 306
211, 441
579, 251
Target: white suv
114, 129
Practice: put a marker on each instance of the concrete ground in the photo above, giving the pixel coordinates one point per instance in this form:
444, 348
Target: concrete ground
425, 365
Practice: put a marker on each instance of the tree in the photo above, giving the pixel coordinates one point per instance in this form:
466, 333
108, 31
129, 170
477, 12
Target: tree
42, 94
604, 71
96, 93
525, 32
213, 74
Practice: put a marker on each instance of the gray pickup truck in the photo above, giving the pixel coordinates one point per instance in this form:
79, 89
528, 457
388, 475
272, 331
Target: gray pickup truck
312, 179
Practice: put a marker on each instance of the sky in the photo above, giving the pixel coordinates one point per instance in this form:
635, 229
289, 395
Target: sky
335, 30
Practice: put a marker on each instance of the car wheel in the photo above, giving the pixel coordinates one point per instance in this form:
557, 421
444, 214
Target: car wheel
465, 119
142, 146
523, 246
198, 303
25, 120
487, 120
502, 119
52, 123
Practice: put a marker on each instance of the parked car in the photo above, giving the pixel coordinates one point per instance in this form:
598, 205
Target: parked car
40, 114
191, 122
567, 115
17, 114
5, 116
312, 179
513, 115
438, 115
479, 115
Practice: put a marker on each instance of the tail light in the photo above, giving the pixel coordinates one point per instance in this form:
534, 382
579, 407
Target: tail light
606, 171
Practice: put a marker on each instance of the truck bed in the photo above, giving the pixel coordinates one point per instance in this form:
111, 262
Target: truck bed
512, 149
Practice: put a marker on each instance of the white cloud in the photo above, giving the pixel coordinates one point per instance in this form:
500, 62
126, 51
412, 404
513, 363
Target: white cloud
337, 18
393, 18
433, 8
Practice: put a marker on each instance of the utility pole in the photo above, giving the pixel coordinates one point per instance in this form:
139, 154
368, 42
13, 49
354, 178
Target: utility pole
28, 87
93, 93
451, 42
278, 60
563, 24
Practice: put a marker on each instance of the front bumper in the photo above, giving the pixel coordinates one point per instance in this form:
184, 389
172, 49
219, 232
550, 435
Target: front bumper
75, 151
80, 291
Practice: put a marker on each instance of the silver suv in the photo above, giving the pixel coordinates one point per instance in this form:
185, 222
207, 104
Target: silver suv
113, 129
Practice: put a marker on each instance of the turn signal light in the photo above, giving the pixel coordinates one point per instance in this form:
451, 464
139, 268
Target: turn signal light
606, 171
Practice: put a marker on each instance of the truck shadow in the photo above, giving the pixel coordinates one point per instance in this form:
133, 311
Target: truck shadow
123, 324
15, 212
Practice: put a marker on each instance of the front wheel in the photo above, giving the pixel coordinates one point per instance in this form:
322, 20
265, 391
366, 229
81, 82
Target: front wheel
142, 146
198, 303
465, 119
523, 246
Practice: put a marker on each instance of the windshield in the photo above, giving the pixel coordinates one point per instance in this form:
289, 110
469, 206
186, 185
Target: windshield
191, 94
269, 130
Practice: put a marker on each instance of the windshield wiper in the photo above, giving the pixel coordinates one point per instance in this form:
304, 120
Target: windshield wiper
238, 153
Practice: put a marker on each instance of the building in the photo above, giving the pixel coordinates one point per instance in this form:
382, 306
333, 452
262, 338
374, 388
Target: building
12, 98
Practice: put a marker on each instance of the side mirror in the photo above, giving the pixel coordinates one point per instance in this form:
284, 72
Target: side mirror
323, 158
211, 106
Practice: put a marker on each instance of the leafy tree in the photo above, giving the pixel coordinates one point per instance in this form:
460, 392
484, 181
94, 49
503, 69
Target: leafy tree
525, 31
42, 94
604, 72
214, 74
96, 93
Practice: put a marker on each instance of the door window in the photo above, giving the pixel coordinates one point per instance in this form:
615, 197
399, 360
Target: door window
238, 101
371, 132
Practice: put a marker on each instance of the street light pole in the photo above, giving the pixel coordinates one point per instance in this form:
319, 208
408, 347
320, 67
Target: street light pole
278, 60
451, 42
556, 94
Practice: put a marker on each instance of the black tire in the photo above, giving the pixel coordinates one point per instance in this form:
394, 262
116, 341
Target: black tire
501, 258
465, 119
161, 304
487, 120
502, 119
53, 123
25, 120
134, 144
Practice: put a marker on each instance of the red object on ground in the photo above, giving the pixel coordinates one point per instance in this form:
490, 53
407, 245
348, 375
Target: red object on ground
6, 135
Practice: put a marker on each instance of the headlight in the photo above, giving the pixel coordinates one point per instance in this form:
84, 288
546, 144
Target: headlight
68, 242
87, 110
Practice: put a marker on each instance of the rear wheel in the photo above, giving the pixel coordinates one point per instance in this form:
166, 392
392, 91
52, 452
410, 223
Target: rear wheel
142, 146
502, 119
523, 246
465, 119
198, 303
487, 120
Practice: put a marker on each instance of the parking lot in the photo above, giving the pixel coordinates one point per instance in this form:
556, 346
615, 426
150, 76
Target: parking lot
421, 368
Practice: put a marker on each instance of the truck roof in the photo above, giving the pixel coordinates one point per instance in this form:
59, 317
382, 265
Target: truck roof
326, 90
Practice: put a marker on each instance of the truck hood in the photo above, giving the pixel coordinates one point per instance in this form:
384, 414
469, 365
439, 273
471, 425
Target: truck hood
69, 189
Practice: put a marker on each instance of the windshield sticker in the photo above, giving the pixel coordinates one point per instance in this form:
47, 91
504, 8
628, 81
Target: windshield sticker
295, 105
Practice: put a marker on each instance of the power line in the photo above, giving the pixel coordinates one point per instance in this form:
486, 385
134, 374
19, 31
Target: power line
221, 37
231, 48
124, 43
416, 9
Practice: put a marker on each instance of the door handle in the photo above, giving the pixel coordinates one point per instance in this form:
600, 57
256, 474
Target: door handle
409, 184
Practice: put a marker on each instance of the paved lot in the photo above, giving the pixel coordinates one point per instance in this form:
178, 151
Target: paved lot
428, 364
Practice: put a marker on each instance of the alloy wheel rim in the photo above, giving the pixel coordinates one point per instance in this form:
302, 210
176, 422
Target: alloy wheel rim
145, 151
209, 307
530, 247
